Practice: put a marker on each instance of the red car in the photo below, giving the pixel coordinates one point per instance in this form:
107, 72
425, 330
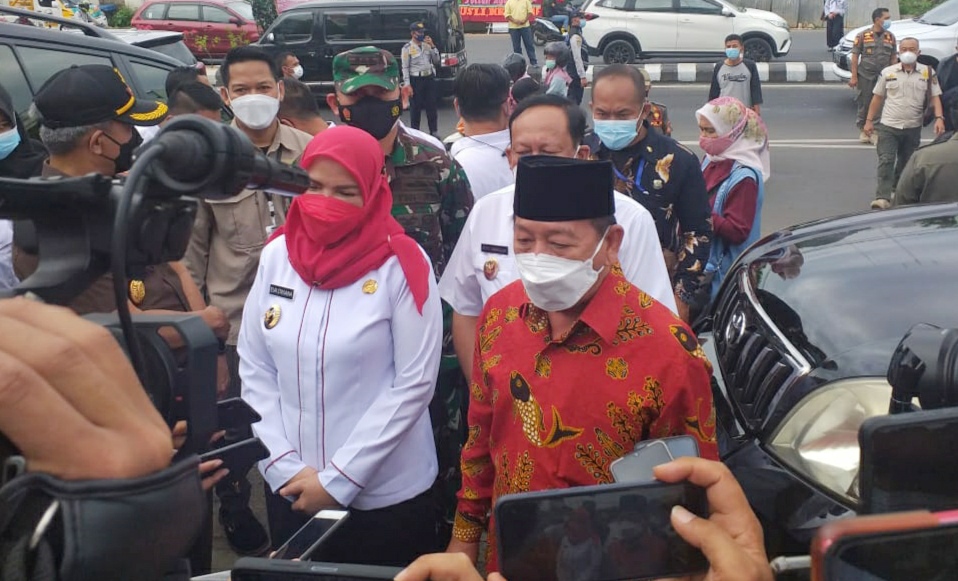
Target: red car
210, 27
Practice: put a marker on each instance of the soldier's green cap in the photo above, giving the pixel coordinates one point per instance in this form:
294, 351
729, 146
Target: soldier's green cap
364, 67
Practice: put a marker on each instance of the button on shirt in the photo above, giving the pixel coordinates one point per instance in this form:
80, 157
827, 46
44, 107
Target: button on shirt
906, 94
484, 261
483, 158
419, 60
343, 380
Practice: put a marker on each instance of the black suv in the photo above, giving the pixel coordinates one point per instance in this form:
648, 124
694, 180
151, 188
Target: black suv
318, 31
29, 55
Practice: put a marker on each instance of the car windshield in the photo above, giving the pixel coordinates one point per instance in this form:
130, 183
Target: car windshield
243, 9
177, 50
942, 15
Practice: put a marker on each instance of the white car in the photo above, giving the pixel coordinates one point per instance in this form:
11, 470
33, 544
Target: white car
630, 29
936, 31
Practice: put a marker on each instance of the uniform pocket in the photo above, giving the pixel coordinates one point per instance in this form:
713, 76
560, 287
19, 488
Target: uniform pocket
239, 223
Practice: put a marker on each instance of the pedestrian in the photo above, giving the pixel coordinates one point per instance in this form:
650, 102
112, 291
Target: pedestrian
518, 13
930, 175
420, 61
948, 81
577, 363
736, 166
289, 65
195, 99
660, 174
182, 75
905, 90
515, 65
658, 113
482, 99
228, 236
580, 57
484, 260
299, 108
359, 379
874, 49
523, 89
431, 200
20, 156
834, 15
737, 76
557, 79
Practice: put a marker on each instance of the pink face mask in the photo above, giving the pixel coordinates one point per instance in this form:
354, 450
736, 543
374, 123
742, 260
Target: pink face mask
715, 145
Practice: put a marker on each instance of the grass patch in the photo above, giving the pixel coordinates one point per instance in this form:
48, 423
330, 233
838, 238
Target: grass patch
916, 7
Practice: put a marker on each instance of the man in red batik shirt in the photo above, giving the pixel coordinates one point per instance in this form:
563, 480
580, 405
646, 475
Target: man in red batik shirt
573, 365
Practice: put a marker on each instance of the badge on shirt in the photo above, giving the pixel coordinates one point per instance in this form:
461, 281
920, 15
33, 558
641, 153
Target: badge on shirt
137, 292
494, 249
271, 318
281, 291
490, 269
370, 286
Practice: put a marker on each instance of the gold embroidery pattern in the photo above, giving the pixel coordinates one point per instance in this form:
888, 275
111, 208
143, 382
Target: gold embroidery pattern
467, 529
537, 321
543, 365
632, 328
512, 314
493, 316
622, 423
474, 432
476, 392
475, 466
486, 340
594, 463
694, 424
522, 477
530, 414
469, 494
610, 447
617, 270
645, 300
490, 363
617, 368
689, 342
622, 287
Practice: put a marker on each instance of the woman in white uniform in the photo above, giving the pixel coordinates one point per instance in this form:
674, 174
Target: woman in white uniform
339, 352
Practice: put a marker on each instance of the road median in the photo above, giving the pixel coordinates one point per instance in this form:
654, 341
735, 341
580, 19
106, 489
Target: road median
773, 72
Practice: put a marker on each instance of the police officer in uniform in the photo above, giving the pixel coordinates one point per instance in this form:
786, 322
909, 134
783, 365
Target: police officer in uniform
874, 49
420, 61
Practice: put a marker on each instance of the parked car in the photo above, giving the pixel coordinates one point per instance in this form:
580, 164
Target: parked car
317, 31
801, 336
210, 27
936, 31
630, 29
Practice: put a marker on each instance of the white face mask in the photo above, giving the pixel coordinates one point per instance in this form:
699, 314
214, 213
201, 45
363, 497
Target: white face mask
908, 58
298, 71
557, 284
255, 111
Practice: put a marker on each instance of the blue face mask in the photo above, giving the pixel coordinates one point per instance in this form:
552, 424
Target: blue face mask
617, 134
9, 140
886, 24
733, 53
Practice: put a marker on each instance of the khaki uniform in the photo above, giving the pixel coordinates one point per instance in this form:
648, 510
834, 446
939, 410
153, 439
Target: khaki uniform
906, 95
930, 175
228, 236
875, 50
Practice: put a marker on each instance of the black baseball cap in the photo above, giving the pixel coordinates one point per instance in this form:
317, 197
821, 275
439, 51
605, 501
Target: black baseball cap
89, 94
417, 26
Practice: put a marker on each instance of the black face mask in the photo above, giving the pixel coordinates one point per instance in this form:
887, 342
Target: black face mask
124, 160
374, 116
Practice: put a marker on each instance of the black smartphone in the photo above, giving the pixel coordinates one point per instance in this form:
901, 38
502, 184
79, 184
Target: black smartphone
240, 456
252, 569
636, 466
309, 537
235, 412
679, 446
601, 533
908, 462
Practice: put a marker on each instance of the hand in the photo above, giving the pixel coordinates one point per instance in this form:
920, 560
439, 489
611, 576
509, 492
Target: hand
310, 495
70, 376
406, 92
939, 126
869, 127
853, 82
210, 475
222, 376
585, 82
731, 538
179, 434
683, 308
470, 550
429, 41
216, 319
440, 567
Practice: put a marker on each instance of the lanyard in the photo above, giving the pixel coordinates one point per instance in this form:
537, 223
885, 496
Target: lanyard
638, 176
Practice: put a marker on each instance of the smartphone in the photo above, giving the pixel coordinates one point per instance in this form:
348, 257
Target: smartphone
234, 412
238, 457
601, 533
908, 462
905, 546
679, 446
637, 465
311, 535
252, 569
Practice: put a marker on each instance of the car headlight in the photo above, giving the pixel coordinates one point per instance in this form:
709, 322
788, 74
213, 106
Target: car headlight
780, 24
819, 438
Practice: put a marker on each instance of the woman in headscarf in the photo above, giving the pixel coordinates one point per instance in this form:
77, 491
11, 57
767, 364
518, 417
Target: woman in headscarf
736, 167
339, 352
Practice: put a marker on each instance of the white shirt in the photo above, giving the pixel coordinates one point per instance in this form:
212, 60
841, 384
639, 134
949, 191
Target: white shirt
343, 381
148, 133
483, 157
7, 278
488, 236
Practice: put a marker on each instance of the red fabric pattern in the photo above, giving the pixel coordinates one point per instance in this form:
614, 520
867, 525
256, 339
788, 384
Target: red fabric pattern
331, 243
547, 414
735, 222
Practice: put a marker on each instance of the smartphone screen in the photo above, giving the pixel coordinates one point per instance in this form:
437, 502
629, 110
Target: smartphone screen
600, 533
925, 554
306, 539
637, 466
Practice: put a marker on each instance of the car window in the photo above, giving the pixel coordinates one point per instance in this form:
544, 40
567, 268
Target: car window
395, 23
293, 27
214, 14
944, 14
653, 6
183, 12
244, 9
13, 80
615, 4
699, 7
349, 26
45, 63
154, 12
177, 50
151, 80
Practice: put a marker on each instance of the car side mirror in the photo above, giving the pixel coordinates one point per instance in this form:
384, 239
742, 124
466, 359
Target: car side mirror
728, 12
236, 21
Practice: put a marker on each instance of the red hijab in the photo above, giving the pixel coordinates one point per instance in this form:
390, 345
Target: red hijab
332, 243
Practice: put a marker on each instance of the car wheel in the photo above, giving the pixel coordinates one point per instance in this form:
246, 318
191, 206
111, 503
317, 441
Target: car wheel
619, 52
758, 50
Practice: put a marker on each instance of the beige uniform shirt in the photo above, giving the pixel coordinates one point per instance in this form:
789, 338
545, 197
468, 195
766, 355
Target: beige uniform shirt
906, 94
228, 235
519, 10
931, 175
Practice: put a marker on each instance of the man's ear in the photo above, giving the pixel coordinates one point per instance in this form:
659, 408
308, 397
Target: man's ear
96, 141
287, 123
281, 90
613, 243
455, 105
332, 103
513, 158
584, 152
225, 95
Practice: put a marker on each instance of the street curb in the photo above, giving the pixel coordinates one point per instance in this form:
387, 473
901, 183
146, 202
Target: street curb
774, 72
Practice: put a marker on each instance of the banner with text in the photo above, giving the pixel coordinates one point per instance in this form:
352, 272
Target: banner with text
488, 10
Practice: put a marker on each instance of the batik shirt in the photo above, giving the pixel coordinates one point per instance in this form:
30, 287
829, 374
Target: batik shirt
548, 413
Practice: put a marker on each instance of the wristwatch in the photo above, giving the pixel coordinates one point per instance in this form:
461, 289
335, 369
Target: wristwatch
942, 117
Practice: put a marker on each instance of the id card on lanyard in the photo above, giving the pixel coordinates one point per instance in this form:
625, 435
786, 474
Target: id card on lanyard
638, 176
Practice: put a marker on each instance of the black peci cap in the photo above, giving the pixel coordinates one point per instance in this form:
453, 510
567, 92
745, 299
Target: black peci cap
560, 189
89, 94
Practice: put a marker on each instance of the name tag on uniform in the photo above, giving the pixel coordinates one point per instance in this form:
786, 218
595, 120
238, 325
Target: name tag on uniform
281, 291
493, 249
